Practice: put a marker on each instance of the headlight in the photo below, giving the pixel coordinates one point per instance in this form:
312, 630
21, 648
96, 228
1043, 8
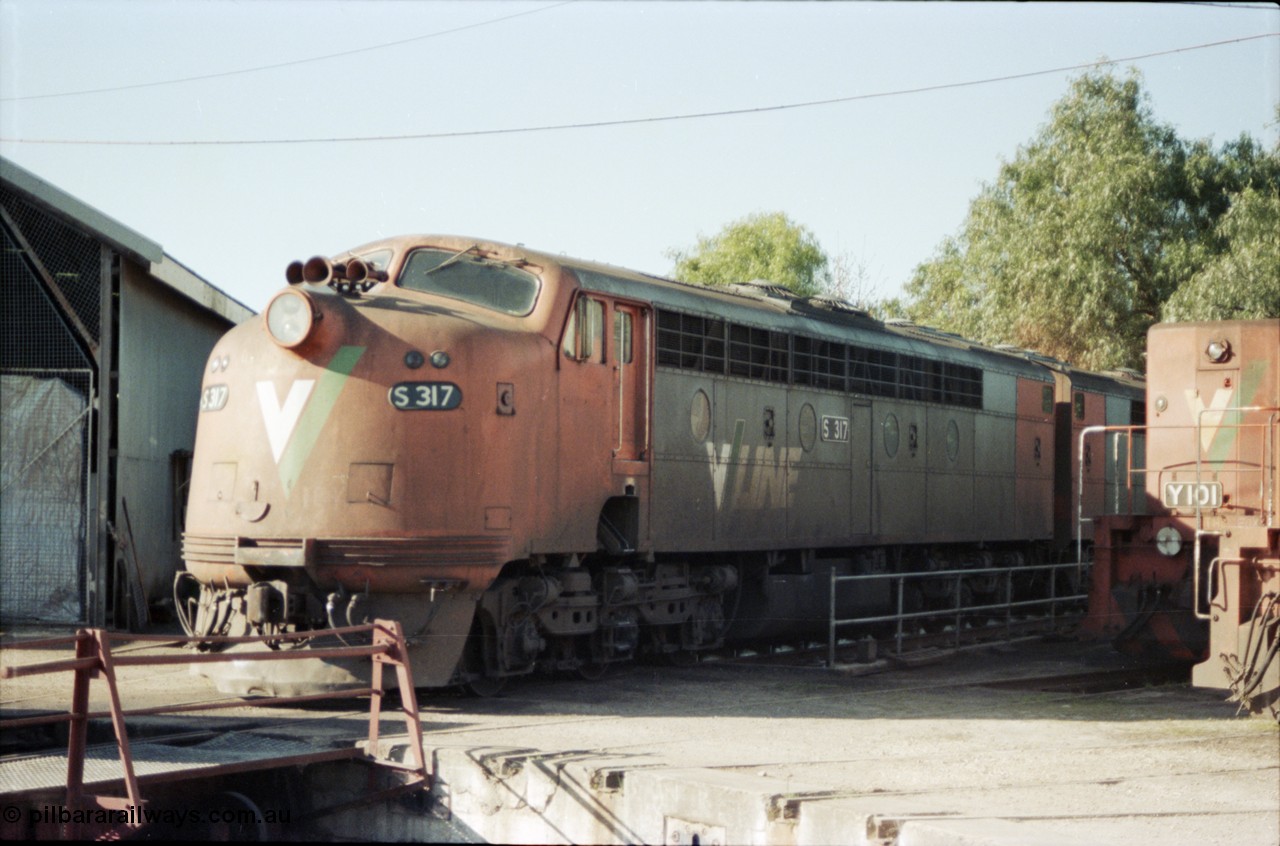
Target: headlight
1168, 541
290, 318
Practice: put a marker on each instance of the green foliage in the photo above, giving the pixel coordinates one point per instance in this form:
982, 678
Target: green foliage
760, 246
1083, 238
1243, 281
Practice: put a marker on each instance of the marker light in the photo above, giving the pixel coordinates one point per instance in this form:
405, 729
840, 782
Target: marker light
290, 318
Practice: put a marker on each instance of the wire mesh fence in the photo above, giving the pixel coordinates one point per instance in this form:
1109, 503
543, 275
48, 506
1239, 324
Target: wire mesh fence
49, 329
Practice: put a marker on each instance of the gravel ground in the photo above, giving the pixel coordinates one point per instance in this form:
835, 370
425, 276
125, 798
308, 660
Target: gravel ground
950, 747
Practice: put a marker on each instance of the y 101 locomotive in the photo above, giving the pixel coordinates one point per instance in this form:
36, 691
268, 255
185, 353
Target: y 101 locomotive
533, 461
1193, 571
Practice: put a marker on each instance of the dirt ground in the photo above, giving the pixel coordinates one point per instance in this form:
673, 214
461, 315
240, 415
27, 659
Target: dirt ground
946, 752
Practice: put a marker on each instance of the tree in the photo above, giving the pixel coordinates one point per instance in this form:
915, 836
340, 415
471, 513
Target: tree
850, 280
760, 246
1082, 239
1244, 280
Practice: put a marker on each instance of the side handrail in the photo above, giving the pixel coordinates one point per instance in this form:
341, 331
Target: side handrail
959, 574
1268, 467
1130, 431
95, 659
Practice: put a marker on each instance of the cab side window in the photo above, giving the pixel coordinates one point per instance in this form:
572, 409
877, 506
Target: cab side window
622, 337
584, 333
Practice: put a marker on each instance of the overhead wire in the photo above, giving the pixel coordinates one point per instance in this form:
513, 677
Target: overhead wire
751, 110
1267, 7
291, 63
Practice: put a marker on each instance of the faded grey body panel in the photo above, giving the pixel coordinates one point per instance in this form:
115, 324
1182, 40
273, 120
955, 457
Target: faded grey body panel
752, 500
949, 440
994, 480
683, 504
828, 473
952, 477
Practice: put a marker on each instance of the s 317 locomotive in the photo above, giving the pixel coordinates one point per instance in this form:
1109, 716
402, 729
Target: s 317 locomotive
1193, 569
532, 461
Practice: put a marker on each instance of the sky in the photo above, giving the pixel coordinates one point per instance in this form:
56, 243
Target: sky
244, 134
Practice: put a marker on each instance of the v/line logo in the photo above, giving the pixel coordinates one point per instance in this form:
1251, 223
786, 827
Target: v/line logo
294, 425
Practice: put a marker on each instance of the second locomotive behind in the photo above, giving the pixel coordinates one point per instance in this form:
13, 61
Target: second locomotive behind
1193, 570
537, 462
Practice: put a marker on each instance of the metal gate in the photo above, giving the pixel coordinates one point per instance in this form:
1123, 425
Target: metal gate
44, 491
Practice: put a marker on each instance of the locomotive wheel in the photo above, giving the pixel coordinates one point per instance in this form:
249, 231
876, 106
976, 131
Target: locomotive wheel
680, 658
591, 671
483, 687
477, 682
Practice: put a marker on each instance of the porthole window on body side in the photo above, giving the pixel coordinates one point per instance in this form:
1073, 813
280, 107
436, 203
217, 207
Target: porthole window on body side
891, 435
700, 416
808, 427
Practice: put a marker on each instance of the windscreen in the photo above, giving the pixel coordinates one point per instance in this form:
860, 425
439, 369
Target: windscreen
474, 279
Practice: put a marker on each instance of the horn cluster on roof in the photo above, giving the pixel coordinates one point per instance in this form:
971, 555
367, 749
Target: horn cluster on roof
353, 277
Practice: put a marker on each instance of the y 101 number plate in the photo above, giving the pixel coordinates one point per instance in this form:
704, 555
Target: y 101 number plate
425, 396
1193, 495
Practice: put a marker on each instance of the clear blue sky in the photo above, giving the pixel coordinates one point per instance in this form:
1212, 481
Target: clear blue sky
880, 180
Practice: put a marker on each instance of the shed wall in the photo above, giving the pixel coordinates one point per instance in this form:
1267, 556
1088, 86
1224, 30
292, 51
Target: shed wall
165, 341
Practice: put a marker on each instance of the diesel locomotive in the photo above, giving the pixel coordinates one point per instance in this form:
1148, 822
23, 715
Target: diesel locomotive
1192, 570
536, 462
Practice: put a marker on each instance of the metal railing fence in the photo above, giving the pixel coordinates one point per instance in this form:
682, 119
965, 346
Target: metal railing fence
958, 611
94, 659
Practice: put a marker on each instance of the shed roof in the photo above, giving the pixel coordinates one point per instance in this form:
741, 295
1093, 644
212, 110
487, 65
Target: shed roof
163, 267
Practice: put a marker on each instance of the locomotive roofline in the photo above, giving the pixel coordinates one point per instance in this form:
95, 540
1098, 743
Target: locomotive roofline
754, 304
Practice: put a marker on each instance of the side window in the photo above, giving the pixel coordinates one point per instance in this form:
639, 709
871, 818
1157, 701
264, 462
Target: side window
584, 333
570, 347
622, 336
1079, 399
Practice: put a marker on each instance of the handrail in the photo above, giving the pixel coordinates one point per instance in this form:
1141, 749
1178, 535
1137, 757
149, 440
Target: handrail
1052, 600
1129, 430
1267, 481
94, 659
1268, 465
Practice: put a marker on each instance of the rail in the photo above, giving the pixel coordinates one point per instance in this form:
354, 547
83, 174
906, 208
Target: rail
959, 610
94, 659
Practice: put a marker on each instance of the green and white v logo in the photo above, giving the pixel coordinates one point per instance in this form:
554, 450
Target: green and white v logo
1208, 418
293, 427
